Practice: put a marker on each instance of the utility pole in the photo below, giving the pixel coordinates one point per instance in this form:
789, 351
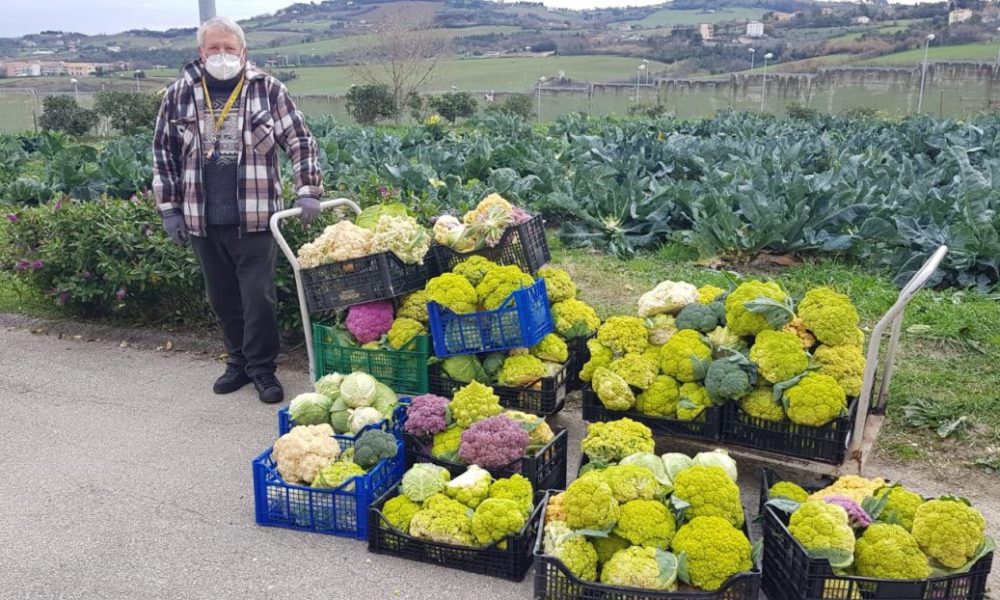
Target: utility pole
206, 9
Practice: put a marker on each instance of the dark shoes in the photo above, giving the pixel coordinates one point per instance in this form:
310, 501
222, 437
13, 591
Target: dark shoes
233, 379
269, 389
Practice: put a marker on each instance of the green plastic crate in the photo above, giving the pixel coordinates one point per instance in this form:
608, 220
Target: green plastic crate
403, 370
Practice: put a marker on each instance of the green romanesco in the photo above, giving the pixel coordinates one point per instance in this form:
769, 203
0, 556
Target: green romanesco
574, 318
788, 491
600, 356
824, 528
399, 511
607, 546
684, 356
474, 268
523, 370
846, 364
414, 306
855, 487
495, 519
589, 504
643, 568
612, 390
692, 401
575, 552
901, 506
472, 403
646, 523
709, 293
728, 379
709, 492
699, 317
778, 355
829, 316
453, 292
889, 552
517, 488
336, 474
949, 531
815, 400
443, 520
608, 442
636, 369
499, 283
558, 284
739, 319
624, 334
660, 398
713, 551
629, 482
446, 443
403, 330
661, 328
552, 348
760, 404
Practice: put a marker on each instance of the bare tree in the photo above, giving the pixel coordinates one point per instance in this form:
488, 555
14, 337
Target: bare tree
403, 54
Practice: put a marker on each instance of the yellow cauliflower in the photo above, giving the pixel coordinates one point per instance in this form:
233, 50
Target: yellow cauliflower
845, 363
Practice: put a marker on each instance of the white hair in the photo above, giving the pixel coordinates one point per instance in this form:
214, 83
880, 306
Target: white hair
221, 24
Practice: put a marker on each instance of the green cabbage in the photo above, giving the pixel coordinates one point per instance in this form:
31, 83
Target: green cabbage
465, 368
718, 458
358, 389
329, 385
310, 409
423, 480
385, 401
340, 415
369, 217
652, 462
675, 462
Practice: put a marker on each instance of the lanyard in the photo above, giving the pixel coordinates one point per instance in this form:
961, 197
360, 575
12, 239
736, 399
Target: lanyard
225, 109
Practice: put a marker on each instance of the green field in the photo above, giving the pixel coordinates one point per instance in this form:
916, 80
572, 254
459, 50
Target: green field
668, 17
344, 43
986, 52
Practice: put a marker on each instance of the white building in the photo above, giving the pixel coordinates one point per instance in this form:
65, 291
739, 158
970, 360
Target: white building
960, 15
706, 30
755, 29
862, 20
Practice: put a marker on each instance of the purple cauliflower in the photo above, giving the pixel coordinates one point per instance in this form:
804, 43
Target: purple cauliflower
426, 415
369, 322
857, 517
494, 442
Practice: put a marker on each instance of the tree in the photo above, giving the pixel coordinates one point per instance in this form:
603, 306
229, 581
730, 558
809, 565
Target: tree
62, 113
369, 103
515, 104
454, 105
128, 112
403, 56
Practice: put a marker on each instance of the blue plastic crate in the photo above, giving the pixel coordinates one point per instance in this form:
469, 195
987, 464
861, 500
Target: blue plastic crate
340, 511
522, 321
395, 427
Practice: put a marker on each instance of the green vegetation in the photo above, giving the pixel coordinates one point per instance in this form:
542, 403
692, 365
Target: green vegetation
986, 52
354, 42
670, 17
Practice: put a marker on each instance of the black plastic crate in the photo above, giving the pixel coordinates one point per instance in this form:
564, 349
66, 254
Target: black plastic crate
511, 563
374, 277
523, 245
705, 427
553, 581
546, 470
824, 444
579, 355
548, 400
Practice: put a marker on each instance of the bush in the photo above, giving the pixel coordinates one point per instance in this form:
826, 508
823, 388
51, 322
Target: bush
517, 104
454, 105
801, 112
128, 112
371, 103
62, 113
647, 110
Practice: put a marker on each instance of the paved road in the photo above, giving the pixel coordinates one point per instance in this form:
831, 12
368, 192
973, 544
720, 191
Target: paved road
123, 476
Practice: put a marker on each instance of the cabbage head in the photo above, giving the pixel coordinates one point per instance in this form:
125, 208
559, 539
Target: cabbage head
385, 401
369, 217
718, 458
310, 409
358, 389
340, 415
655, 464
465, 368
675, 462
329, 385
423, 480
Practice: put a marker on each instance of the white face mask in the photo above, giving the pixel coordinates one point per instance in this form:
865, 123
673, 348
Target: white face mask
224, 66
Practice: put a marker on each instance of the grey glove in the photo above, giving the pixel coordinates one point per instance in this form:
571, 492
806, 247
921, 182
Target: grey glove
310, 208
175, 229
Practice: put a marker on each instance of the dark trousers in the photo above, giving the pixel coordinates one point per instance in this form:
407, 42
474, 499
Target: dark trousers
239, 279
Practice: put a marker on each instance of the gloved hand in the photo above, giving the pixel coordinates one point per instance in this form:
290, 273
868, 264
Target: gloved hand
310, 209
175, 229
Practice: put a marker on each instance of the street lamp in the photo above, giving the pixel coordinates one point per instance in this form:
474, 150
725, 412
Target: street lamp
763, 85
137, 73
998, 51
753, 55
642, 69
645, 63
923, 72
76, 89
541, 80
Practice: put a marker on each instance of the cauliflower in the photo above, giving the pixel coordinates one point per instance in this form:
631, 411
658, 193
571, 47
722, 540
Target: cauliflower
474, 268
623, 334
403, 330
889, 552
402, 236
554, 509
778, 355
470, 488
453, 292
722, 337
815, 400
517, 488
446, 443
558, 284
823, 528
370, 321
493, 442
709, 492
571, 549
521, 370
607, 546
797, 327
612, 390
760, 404
359, 418
629, 482
850, 486
499, 283
552, 348
646, 523
661, 328
728, 379
636, 369
714, 551
709, 293
589, 504
426, 415
472, 403
949, 531
789, 491
692, 401
741, 320
449, 231
857, 518
683, 357
539, 432
829, 316
699, 317
443, 520
332, 476
660, 398
608, 443
643, 568
303, 451
846, 364
341, 241
574, 318
600, 356
901, 506
667, 297
414, 306
495, 519
398, 511
479, 213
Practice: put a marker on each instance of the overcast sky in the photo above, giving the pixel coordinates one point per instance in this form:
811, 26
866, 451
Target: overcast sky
20, 17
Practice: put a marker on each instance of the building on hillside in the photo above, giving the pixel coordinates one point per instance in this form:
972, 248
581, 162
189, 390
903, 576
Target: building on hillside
826, 11
80, 69
959, 15
861, 20
706, 30
22, 69
53, 68
782, 17
755, 29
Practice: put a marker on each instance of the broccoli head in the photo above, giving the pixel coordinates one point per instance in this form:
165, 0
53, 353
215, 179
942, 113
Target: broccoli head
403, 330
740, 319
728, 379
470, 488
414, 306
949, 530
521, 370
709, 293
608, 443
636, 369
709, 492
589, 504
558, 284
684, 355
713, 551
889, 552
646, 523
373, 446
699, 317
815, 400
829, 316
643, 568
628, 482
624, 334
607, 546
660, 398
612, 390
336, 474
778, 355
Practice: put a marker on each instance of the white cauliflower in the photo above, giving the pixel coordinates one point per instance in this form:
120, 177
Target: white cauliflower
362, 417
304, 451
449, 231
341, 241
667, 297
402, 236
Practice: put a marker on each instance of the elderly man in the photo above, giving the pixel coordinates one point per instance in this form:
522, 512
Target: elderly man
216, 181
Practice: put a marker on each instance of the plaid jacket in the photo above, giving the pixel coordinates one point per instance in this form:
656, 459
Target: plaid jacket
268, 118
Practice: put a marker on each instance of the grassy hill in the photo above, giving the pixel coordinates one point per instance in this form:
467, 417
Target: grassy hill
983, 52
688, 18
